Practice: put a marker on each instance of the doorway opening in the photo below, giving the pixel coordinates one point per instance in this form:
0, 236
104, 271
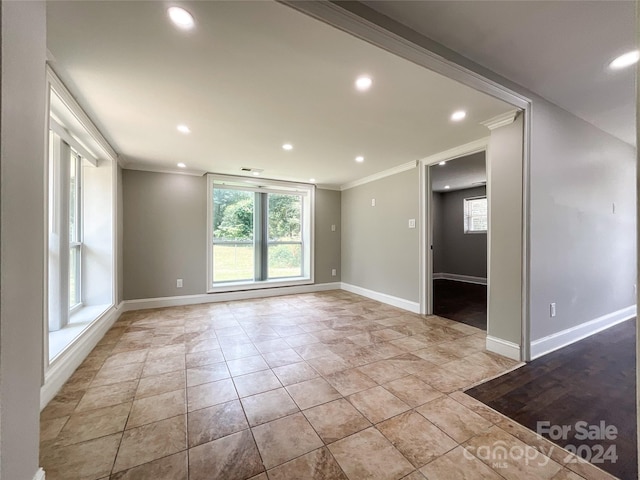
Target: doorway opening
459, 225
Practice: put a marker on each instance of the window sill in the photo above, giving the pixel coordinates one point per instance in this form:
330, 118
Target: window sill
240, 286
79, 321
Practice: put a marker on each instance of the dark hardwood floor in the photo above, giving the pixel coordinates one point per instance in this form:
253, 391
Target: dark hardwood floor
592, 381
462, 302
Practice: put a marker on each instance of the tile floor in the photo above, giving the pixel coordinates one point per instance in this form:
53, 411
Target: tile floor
317, 386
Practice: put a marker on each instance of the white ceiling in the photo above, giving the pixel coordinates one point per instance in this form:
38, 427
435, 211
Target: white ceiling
557, 49
250, 77
463, 172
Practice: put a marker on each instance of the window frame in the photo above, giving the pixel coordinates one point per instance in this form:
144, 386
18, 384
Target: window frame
307, 192
467, 216
76, 243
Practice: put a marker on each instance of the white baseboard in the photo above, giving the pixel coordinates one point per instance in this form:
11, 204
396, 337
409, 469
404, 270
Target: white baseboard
382, 297
460, 278
160, 302
571, 335
67, 362
503, 347
39, 475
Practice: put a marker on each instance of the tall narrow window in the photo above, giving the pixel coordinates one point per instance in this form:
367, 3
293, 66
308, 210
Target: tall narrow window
475, 215
75, 230
260, 233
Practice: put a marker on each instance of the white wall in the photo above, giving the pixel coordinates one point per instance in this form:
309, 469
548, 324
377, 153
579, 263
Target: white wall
22, 202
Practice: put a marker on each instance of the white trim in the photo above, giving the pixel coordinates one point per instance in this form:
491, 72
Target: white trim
571, 335
39, 475
160, 302
66, 363
460, 278
383, 297
470, 148
177, 171
501, 120
377, 176
503, 347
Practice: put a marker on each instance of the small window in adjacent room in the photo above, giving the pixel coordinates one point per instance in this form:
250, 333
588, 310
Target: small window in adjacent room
475, 215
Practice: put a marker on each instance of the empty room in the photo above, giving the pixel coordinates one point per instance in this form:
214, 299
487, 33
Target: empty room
317, 240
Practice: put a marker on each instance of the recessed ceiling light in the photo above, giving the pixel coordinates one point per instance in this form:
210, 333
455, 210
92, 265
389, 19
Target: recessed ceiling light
312, 180
183, 129
459, 115
625, 60
359, 159
363, 83
181, 18
442, 163
447, 187
182, 165
287, 146
256, 173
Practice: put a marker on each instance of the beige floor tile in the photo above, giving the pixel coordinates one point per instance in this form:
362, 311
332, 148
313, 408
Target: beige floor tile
282, 357
328, 364
458, 464
369, 455
173, 467
209, 394
412, 390
49, 429
284, 439
256, 382
295, 373
152, 409
89, 460
316, 465
442, 379
233, 352
495, 441
454, 419
205, 357
92, 424
215, 422
207, 374
378, 404
156, 353
117, 374
272, 345
302, 339
242, 366
312, 392
382, 371
566, 474
107, 395
418, 440
414, 476
477, 407
164, 365
151, 442
350, 381
62, 405
234, 457
336, 420
167, 382
268, 406
134, 356
312, 351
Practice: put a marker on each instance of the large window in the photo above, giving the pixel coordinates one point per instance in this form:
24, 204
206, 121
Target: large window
475, 215
75, 230
260, 233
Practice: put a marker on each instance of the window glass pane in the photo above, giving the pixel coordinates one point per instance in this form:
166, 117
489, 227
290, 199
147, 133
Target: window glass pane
284, 217
233, 235
285, 260
475, 214
73, 198
74, 276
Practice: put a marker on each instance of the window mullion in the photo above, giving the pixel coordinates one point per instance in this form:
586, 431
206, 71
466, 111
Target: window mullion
261, 222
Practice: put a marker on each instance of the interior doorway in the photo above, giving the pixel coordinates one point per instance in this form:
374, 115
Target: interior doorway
459, 229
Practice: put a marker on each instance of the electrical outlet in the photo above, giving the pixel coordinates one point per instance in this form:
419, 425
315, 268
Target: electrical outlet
552, 309
333, 228
373, 202
179, 283
333, 272
412, 223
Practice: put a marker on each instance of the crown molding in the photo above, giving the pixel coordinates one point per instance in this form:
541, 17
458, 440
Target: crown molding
476, 146
501, 120
377, 176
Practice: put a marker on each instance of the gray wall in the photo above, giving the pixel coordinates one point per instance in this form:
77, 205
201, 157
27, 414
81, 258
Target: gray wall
583, 256
22, 235
165, 218
453, 250
504, 180
327, 243
379, 251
